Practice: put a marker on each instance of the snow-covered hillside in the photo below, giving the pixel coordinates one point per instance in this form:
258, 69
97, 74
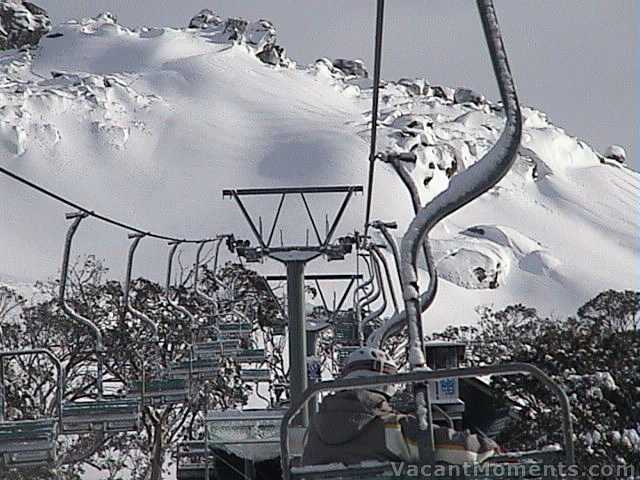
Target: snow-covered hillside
149, 125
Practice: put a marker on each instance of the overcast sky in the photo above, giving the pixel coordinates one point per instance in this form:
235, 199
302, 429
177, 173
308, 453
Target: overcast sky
574, 59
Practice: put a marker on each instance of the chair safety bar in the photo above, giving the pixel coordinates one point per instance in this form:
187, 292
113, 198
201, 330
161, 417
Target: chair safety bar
421, 376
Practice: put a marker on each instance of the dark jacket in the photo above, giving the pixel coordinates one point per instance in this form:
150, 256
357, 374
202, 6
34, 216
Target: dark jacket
356, 426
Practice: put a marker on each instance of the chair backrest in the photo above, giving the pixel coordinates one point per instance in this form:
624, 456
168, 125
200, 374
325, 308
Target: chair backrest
250, 356
195, 367
159, 392
235, 427
255, 375
217, 348
109, 415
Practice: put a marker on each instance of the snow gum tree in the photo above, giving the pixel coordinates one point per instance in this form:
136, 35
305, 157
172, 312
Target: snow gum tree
30, 382
595, 356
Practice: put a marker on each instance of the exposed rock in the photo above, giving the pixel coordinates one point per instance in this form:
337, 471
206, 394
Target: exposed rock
260, 34
415, 87
106, 17
236, 28
438, 91
22, 24
204, 19
324, 66
466, 95
617, 153
275, 55
351, 68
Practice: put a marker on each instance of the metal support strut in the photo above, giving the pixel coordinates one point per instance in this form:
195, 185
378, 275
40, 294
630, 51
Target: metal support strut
64, 276
297, 337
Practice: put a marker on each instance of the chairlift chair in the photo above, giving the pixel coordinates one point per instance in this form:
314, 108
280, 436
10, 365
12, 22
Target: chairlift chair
201, 368
217, 348
257, 375
345, 326
28, 443
278, 329
235, 329
488, 171
193, 461
342, 353
529, 461
103, 414
241, 427
159, 391
31, 443
251, 356
110, 415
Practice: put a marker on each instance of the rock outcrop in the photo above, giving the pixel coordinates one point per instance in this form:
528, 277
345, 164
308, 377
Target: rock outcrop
260, 36
351, 68
22, 24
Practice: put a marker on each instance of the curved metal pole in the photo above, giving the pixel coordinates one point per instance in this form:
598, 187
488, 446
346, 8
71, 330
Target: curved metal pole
397, 322
368, 300
196, 288
387, 274
59, 369
173, 246
374, 294
364, 287
64, 276
379, 281
172, 303
423, 376
196, 273
467, 185
215, 258
128, 307
399, 319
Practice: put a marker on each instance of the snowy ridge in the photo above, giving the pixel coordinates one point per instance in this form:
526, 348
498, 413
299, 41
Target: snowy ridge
150, 124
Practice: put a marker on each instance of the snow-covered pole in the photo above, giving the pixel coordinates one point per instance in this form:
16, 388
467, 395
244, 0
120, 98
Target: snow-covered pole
128, 307
399, 319
463, 189
375, 256
364, 287
466, 186
387, 274
369, 299
77, 217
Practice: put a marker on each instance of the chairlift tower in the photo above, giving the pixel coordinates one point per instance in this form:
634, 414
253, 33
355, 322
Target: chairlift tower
295, 258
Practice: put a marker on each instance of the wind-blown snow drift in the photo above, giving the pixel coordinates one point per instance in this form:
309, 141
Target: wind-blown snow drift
149, 125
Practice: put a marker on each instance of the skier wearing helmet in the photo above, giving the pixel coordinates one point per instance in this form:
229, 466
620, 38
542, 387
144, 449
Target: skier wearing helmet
359, 425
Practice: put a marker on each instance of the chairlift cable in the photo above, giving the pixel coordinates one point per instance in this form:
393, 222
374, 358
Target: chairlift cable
91, 213
374, 109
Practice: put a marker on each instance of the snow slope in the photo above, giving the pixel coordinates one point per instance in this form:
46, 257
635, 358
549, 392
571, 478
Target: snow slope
149, 126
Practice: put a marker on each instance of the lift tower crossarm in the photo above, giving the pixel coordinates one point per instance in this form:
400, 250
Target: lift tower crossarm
295, 258
265, 244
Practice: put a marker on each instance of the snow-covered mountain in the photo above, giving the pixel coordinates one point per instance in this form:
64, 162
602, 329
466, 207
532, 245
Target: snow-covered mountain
149, 125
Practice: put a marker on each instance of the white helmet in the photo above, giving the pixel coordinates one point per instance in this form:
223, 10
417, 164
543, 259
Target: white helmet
369, 362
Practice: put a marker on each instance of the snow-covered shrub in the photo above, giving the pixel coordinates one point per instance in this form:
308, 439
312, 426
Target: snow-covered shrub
30, 384
596, 362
